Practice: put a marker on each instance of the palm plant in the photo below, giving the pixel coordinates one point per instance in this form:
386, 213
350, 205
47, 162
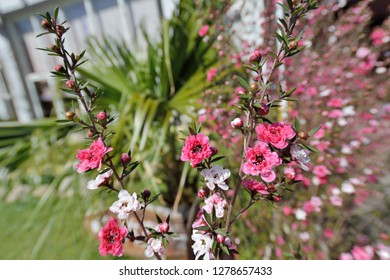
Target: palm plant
155, 91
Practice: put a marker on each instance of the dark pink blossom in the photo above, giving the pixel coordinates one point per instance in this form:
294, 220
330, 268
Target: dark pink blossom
111, 237
211, 74
260, 160
276, 134
203, 30
255, 187
92, 157
196, 149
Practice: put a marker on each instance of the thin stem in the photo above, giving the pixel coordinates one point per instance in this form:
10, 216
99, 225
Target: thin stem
145, 232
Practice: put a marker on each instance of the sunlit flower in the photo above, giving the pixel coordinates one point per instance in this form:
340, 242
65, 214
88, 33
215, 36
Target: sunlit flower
92, 157
196, 149
125, 204
203, 244
99, 181
216, 176
111, 237
300, 156
276, 134
260, 160
155, 245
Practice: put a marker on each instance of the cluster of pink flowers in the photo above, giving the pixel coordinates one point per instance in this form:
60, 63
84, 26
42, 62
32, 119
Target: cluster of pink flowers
276, 134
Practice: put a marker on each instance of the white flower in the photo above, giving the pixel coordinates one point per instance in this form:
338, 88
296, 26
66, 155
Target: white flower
100, 179
216, 176
300, 214
125, 204
347, 187
304, 236
154, 246
203, 245
301, 156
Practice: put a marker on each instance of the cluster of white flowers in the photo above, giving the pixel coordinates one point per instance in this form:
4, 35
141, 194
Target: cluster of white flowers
125, 204
216, 176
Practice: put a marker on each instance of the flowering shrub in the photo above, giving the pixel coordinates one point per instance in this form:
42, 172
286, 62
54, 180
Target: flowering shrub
271, 150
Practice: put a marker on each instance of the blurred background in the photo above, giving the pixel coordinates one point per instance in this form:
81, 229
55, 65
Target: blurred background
152, 64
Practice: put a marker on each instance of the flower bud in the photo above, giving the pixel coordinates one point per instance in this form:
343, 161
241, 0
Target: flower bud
202, 193
164, 227
271, 188
292, 45
90, 133
221, 238
59, 68
70, 115
255, 56
101, 116
263, 109
228, 241
45, 24
54, 48
303, 135
146, 194
276, 198
214, 151
254, 87
70, 84
237, 123
125, 158
60, 30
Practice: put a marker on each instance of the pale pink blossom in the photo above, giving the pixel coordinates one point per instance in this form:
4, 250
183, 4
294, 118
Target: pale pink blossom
203, 30
383, 251
216, 176
336, 200
100, 180
276, 134
92, 157
203, 244
196, 149
111, 237
217, 202
125, 204
155, 246
321, 171
345, 256
362, 253
237, 123
261, 160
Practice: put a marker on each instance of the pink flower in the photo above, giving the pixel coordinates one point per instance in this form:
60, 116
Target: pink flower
203, 30
255, 187
378, 36
362, 253
345, 256
111, 237
92, 157
276, 134
255, 56
211, 74
321, 171
196, 149
260, 160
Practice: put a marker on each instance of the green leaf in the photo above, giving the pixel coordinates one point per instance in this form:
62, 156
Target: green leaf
158, 219
250, 67
296, 124
315, 130
56, 13
243, 83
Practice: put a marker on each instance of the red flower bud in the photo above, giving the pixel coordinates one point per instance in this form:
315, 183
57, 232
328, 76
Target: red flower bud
202, 193
102, 116
59, 68
263, 109
214, 151
125, 158
221, 238
70, 84
164, 227
255, 56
